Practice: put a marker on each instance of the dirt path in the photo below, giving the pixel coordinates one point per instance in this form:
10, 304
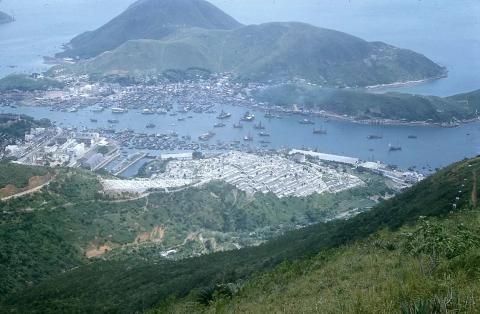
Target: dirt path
27, 192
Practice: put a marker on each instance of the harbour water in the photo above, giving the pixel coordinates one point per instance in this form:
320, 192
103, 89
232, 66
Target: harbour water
445, 31
433, 146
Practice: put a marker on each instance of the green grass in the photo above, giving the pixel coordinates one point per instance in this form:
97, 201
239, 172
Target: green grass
267, 52
27, 83
371, 106
135, 285
379, 275
18, 175
49, 232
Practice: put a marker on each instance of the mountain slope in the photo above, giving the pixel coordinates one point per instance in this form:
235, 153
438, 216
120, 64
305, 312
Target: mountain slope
272, 51
371, 106
149, 19
5, 18
136, 286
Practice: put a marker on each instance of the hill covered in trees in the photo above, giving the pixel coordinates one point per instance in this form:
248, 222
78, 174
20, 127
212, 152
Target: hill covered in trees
395, 257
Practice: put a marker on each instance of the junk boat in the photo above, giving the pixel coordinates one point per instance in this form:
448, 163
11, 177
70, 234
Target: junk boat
248, 117
224, 115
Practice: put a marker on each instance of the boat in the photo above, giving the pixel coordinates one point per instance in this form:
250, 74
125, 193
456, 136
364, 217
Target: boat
238, 126
269, 115
393, 148
219, 125
73, 109
161, 111
148, 111
412, 137
306, 121
248, 138
264, 142
97, 109
374, 137
248, 117
181, 119
113, 121
119, 110
259, 126
151, 126
93, 120
224, 115
264, 134
320, 131
207, 136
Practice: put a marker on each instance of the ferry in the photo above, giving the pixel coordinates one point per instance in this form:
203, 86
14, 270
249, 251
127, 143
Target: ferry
320, 131
374, 137
259, 126
306, 121
224, 115
248, 117
119, 110
238, 126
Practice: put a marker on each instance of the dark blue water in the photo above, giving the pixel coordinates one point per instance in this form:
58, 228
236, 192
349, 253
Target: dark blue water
445, 31
434, 147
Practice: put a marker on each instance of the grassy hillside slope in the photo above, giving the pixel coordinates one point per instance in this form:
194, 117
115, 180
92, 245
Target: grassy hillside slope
372, 106
149, 19
27, 83
136, 286
272, 51
50, 232
432, 267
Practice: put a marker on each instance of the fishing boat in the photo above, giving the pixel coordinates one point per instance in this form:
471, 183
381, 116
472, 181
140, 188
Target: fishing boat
248, 138
119, 110
207, 136
148, 111
374, 137
224, 115
248, 117
393, 148
320, 131
97, 109
306, 121
259, 126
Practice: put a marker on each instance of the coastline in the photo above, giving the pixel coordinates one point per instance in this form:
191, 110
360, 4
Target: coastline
380, 87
